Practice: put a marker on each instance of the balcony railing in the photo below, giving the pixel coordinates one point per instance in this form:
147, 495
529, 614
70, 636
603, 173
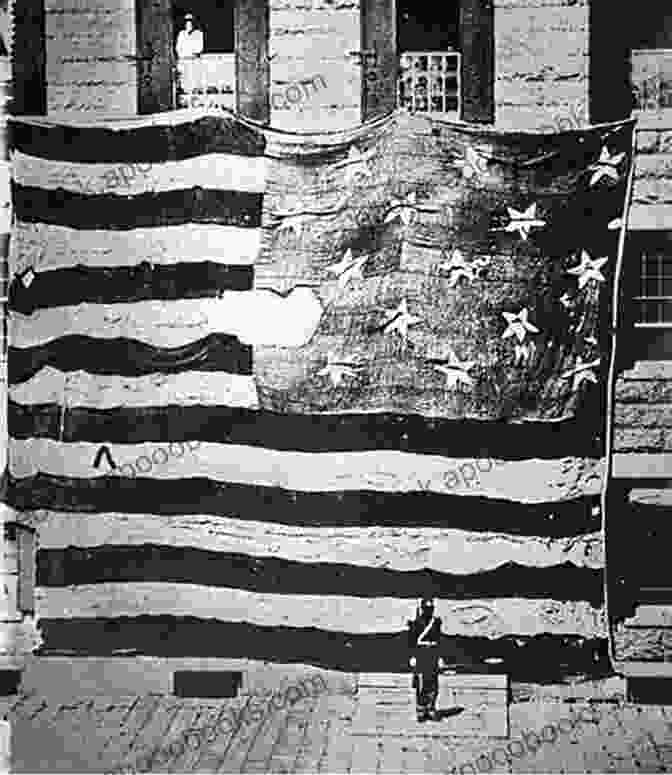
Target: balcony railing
429, 82
651, 77
207, 81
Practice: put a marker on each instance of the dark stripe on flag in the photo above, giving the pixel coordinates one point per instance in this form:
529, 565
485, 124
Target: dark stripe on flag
108, 211
476, 439
354, 508
144, 282
549, 658
147, 562
158, 143
130, 358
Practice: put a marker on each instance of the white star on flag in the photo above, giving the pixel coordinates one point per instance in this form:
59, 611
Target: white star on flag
399, 320
348, 268
588, 269
518, 325
28, 278
522, 352
457, 267
338, 368
455, 371
356, 164
525, 221
582, 372
405, 209
472, 164
616, 223
606, 165
565, 300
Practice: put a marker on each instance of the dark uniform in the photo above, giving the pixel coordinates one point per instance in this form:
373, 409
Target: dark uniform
424, 638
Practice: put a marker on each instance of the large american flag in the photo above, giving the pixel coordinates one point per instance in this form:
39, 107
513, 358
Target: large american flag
268, 388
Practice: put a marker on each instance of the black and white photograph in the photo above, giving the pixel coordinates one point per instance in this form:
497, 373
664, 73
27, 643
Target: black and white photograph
335, 386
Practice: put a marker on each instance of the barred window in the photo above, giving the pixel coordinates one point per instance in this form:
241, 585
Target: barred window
429, 59
429, 82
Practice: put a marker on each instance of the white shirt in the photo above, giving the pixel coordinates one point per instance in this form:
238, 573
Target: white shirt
189, 43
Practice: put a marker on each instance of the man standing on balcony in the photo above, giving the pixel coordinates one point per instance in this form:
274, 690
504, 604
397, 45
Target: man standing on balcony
189, 45
189, 40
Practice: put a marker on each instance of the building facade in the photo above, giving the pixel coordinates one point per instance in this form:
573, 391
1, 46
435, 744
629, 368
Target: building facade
314, 65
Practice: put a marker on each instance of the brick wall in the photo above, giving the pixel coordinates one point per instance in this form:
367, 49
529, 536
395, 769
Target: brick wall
541, 61
91, 51
312, 38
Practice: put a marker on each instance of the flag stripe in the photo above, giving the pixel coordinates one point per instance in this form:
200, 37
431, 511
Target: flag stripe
385, 471
170, 208
167, 636
575, 517
126, 284
115, 410
154, 393
48, 247
479, 617
157, 563
215, 170
138, 141
216, 352
443, 550
254, 316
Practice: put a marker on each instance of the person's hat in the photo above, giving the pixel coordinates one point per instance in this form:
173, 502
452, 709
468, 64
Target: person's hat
188, 16
427, 602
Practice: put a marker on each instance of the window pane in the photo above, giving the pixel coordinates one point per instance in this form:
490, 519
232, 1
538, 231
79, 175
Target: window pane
650, 287
666, 311
427, 26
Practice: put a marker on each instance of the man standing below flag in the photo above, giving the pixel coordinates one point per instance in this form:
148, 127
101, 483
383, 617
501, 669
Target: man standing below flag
424, 638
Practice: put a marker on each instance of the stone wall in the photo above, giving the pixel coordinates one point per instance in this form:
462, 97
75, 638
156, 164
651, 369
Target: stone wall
643, 411
652, 193
311, 41
541, 61
643, 421
91, 48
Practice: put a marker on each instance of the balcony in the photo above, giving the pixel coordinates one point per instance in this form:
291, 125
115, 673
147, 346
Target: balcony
429, 83
207, 81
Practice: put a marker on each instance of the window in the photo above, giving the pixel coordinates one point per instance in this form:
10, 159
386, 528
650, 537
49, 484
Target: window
429, 59
213, 17
207, 80
654, 301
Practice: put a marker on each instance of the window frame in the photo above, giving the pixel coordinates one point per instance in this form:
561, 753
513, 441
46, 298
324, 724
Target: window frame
651, 245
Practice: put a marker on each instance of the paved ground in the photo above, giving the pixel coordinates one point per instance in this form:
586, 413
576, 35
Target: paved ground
330, 732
